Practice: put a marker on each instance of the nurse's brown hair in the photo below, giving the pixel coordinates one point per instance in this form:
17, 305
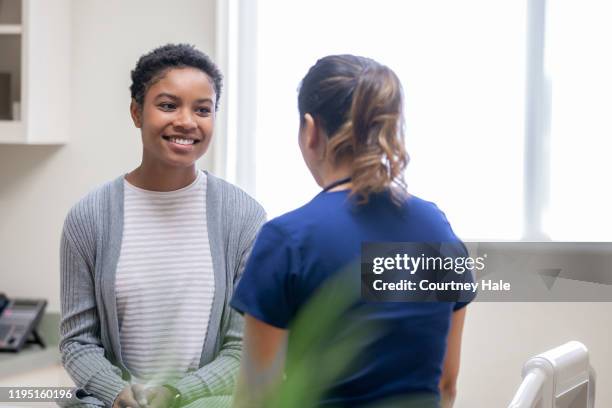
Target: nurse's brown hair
359, 104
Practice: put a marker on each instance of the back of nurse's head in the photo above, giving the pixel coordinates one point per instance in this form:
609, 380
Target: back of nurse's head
358, 103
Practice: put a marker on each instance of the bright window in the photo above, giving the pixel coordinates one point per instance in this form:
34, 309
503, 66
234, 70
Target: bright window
462, 67
580, 67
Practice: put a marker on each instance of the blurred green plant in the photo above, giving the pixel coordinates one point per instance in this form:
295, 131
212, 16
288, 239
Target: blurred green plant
323, 341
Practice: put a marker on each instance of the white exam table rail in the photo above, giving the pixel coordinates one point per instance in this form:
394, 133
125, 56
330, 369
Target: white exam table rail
558, 378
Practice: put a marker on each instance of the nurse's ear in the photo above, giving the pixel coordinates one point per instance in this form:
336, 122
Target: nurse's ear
136, 113
314, 137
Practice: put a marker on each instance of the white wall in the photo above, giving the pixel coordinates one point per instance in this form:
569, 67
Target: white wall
500, 337
38, 184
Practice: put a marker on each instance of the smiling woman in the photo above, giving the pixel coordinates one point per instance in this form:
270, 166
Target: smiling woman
175, 109
148, 261
176, 119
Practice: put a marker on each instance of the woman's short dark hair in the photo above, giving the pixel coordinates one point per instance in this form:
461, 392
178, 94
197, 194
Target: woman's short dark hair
151, 67
359, 104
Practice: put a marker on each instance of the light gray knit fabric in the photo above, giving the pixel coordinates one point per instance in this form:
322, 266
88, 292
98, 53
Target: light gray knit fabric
90, 247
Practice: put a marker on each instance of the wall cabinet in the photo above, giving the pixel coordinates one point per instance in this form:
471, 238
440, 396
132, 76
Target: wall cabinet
35, 64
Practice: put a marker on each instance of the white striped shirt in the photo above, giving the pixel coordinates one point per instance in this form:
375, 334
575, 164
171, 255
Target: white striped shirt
164, 281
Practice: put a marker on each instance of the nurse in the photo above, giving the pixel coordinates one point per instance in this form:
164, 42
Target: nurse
351, 139
149, 260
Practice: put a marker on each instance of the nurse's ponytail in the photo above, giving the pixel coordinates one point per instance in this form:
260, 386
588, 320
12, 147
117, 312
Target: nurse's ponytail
358, 102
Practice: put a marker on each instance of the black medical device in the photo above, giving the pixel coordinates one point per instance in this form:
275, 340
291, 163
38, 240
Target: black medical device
18, 321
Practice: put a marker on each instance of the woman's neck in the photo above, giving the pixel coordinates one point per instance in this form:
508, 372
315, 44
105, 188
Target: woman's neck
155, 178
332, 174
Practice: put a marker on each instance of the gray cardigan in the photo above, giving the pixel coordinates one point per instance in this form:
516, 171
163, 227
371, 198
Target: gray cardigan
90, 247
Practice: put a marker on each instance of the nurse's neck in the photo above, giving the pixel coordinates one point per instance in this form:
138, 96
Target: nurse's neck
329, 174
156, 178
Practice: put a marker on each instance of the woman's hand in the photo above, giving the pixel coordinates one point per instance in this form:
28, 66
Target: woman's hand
127, 399
160, 397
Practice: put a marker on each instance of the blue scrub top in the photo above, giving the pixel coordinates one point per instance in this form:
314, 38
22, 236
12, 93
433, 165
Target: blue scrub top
298, 251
